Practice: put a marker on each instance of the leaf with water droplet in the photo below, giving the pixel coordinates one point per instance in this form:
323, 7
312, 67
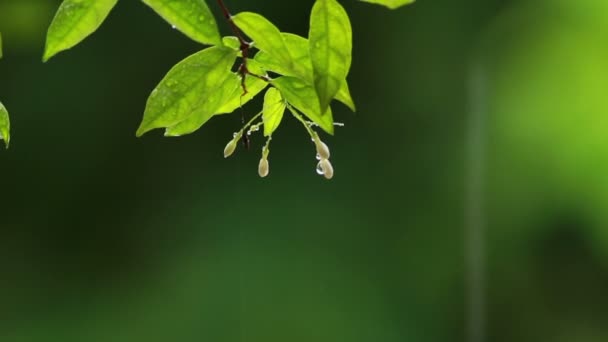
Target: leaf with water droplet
192, 17
5, 125
274, 107
304, 98
195, 82
392, 4
74, 21
330, 48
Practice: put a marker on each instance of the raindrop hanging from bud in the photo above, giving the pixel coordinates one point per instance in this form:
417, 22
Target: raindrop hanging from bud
263, 167
230, 147
320, 171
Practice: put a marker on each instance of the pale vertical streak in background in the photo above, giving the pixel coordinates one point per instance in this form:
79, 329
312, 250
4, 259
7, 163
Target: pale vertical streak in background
474, 205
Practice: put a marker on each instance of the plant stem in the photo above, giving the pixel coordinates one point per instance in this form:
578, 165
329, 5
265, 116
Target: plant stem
245, 47
298, 116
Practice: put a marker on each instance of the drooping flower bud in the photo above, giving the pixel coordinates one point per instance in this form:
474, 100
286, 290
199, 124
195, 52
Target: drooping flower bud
230, 147
328, 169
322, 149
263, 167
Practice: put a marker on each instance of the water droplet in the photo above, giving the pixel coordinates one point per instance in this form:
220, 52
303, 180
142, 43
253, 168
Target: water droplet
318, 156
235, 134
173, 27
320, 171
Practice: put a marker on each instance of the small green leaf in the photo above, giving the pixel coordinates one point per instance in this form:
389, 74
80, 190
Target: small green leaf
392, 4
5, 126
302, 67
274, 107
303, 97
75, 20
228, 98
191, 17
232, 42
186, 87
330, 48
265, 35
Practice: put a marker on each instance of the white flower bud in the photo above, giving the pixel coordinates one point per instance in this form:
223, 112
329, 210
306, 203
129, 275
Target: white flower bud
328, 169
230, 147
322, 149
263, 167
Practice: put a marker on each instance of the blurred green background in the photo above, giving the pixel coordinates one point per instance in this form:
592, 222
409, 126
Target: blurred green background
106, 237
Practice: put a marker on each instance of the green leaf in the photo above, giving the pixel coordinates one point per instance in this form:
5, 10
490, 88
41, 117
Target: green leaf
304, 98
253, 84
232, 42
392, 4
298, 48
5, 125
274, 107
186, 87
75, 20
344, 96
228, 98
302, 67
265, 35
330, 48
205, 111
191, 17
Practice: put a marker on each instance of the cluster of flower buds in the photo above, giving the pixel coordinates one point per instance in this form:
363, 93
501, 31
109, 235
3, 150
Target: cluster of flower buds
324, 167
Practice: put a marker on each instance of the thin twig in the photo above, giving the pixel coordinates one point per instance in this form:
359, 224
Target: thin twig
245, 46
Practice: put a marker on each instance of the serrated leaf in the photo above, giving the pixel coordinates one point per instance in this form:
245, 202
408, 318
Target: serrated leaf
225, 100
5, 126
392, 4
302, 66
265, 35
191, 17
274, 107
304, 98
330, 42
187, 86
74, 21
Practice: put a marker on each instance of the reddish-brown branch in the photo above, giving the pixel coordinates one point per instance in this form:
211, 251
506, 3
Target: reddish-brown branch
244, 47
